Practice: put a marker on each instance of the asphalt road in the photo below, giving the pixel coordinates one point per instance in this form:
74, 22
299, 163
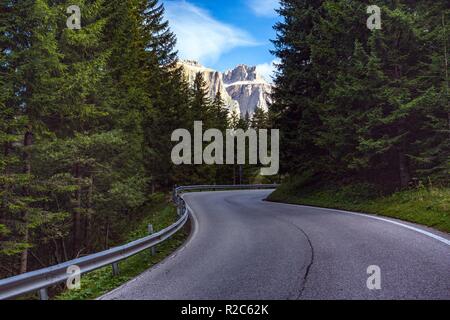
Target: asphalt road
245, 248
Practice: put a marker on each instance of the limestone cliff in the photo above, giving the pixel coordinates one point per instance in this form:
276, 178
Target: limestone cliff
242, 88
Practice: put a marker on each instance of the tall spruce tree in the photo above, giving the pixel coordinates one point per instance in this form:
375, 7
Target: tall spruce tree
169, 94
433, 147
33, 77
296, 85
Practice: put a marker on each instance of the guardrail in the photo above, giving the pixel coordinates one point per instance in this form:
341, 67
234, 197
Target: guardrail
179, 190
40, 280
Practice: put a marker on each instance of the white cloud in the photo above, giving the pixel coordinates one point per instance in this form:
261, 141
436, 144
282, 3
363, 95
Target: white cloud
267, 70
265, 8
201, 37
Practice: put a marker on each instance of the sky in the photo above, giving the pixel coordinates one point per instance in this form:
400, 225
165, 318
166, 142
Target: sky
222, 34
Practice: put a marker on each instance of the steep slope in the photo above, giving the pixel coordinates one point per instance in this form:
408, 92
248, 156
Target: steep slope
248, 88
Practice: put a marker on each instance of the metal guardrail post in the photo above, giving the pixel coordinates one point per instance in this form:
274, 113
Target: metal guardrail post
115, 269
43, 294
150, 232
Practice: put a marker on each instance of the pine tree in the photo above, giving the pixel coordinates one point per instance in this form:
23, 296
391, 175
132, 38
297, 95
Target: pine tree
234, 119
201, 104
260, 119
433, 147
296, 86
33, 78
162, 43
85, 58
220, 121
401, 60
201, 110
170, 113
169, 94
219, 113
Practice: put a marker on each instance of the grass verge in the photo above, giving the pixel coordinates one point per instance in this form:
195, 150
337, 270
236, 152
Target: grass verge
99, 282
425, 206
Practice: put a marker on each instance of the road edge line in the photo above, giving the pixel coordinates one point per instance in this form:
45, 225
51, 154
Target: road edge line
375, 217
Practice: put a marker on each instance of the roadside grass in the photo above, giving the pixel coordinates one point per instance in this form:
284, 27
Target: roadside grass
99, 282
425, 206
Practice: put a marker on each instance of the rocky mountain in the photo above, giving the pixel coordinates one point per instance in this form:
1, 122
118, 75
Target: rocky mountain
242, 88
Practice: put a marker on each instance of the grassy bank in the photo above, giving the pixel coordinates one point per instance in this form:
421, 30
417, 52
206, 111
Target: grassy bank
426, 206
99, 282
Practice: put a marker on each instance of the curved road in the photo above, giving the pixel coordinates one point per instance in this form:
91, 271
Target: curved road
245, 248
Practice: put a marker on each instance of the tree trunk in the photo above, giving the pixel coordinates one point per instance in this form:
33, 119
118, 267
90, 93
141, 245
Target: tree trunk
107, 236
444, 25
64, 250
405, 177
76, 217
6, 146
27, 143
56, 252
24, 255
87, 224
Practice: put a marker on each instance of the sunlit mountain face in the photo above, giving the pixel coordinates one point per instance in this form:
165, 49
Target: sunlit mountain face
243, 88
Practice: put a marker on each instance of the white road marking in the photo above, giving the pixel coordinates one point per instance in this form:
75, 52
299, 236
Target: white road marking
426, 233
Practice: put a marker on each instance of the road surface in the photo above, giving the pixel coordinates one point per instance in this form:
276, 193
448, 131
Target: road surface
245, 248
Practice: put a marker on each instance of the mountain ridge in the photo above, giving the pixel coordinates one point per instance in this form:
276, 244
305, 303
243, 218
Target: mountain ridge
243, 89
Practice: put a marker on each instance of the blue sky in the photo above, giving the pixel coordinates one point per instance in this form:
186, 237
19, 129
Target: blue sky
224, 33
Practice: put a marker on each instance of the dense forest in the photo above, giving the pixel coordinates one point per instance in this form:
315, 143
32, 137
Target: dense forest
361, 106
86, 118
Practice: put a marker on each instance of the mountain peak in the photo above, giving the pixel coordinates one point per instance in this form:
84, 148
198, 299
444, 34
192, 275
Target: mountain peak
193, 63
242, 73
242, 88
